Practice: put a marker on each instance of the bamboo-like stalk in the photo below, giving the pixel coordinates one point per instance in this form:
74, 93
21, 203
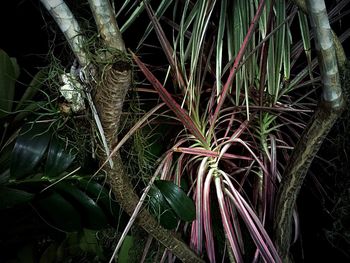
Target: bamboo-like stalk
107, 24
324, 43
339, 51
115, 78
71, 30
329, 109
69, 26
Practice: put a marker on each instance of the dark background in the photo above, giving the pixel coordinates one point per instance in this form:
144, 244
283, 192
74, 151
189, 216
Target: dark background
23, 33
27, 34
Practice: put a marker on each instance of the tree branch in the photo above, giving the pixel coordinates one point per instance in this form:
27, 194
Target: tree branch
106, 24
69, 27
339, 50
112, 85
329, 109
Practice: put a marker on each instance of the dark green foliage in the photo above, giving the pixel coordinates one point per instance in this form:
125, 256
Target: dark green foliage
59, 212
178, 200
124, 256
169, 204
48, 211
9, 73
10, 197
161, 209
29, 149
83, 246
58, 158
92, 215
105, 201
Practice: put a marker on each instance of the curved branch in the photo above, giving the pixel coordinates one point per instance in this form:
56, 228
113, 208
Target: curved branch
128, 199
69, 27
324, 43
329, 109
114, 80
110, 94
339, 50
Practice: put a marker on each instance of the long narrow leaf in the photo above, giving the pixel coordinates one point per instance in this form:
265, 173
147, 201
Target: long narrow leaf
219, 45
238, 59
33, 88
164, 42
7, 83
208, 153
131, 18
226, 221
162, 7
171, 103
208, 232
253, 223
199, 204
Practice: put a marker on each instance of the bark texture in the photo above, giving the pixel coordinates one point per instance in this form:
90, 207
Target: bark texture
330, 55
115, 80
293, 178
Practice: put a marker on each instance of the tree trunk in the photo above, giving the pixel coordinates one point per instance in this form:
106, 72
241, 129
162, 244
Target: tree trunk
329, 109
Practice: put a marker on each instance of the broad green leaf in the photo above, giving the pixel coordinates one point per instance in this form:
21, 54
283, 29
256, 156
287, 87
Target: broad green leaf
92, 215
93, 189
29, 149
36, 83
160, 208
178, 200
15, 67
8, 76
124, 256
10, 197
101, 196
59, 212
58, 158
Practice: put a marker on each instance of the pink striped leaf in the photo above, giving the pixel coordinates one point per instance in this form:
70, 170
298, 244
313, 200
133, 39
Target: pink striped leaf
171, 103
